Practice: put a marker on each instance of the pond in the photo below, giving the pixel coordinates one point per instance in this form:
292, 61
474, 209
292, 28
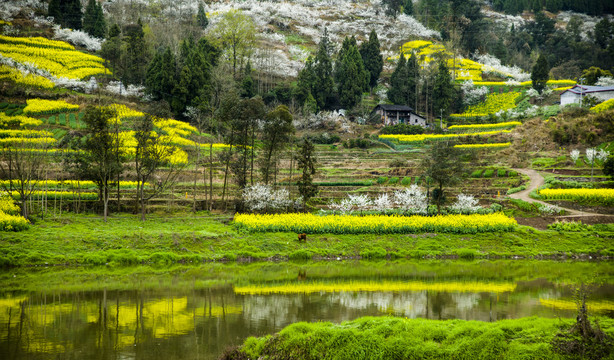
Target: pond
197, 312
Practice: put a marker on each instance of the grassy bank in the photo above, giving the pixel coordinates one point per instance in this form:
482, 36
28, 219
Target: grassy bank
401, 338
187, 238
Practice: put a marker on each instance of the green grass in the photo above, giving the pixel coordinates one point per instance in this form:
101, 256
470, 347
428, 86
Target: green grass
124, 240
402, 338
62, 119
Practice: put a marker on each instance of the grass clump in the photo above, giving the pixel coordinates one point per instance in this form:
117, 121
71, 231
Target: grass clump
393, 180
488, 173
401, 338
382, 180
476, 173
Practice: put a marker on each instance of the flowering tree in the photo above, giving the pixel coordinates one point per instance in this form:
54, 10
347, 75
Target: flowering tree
591, 155
382, 203
262, 198
465, 204
575, 155
411, 199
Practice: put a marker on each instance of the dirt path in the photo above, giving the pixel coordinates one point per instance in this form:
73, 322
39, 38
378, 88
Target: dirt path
536, 181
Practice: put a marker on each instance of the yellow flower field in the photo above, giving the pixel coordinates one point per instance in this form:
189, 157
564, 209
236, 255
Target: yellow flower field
45, 107
596, 306
17, 121
8, 73
373, 224
493, 104
485, 126
10, 220
483, 146
58, 58
604, 106
374, 286
603, 196
423, 137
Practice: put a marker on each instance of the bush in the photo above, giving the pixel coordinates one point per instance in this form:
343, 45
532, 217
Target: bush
393, 180
476, 174
324, 138
569, 226
402, 129
300, 255
501, 173
359, 143
382, 180
516, 189
375, 253
406, 181
489, 173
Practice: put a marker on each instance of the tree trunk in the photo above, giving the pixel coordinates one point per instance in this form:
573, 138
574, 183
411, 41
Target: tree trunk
211, 177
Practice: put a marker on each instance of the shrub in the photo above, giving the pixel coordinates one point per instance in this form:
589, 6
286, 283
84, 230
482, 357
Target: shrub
402, 129
300, 255
516, 189
406, 181
382, 180
393, 180
501, 172
374, 253
489, 173
476, 173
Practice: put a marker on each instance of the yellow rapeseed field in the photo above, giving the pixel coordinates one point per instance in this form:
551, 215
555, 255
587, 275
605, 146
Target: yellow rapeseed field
374, 224
603, 196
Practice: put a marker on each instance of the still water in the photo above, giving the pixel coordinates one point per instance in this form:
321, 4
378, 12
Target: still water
197, 312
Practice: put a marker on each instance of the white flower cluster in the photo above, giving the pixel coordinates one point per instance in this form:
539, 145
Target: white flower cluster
9, 9
514, 113
588, 22
410, 200
593, 154
263, 198
493, 65
473, 94
549, 209
465, 204
325, 120
506, 19
77, 37
605, 81
574, 155
117, 88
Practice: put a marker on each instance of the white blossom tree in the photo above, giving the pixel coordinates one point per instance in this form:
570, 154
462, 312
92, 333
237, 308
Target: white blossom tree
574, 155
591, 156
465, 204
382, 203
262, 198
411, 199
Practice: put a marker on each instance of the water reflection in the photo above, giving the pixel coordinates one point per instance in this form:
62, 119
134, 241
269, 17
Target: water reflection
189, 314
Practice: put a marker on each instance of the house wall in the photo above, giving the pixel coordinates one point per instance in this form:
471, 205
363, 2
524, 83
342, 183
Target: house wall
569, 98
603, 95
416, 120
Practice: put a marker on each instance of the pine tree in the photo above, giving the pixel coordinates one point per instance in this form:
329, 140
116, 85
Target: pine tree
201, 18
55, 10
72, 14
161, 75
372, 58
136, 53
323, 85
93, 20
307, 163
443, 90
352, 78
305, 82
412, 74
408, 7
247, 84
539, 73
397, 90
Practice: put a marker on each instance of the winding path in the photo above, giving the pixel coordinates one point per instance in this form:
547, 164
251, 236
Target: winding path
536, 181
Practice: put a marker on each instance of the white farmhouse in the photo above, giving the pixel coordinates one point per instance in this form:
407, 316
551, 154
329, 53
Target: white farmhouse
574, 95
398, 114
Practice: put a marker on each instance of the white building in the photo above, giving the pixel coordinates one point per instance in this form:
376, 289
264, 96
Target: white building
574, 95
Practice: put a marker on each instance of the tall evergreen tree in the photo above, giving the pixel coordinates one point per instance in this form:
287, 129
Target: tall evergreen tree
443, 90
93, 20
323, 85
161, 76
372, 58
305, 82
201, 17
412, 74
307, 163
539, 73
136, 53
408, 7
66, 13
398, 85
352, 78
247, 83
112, 49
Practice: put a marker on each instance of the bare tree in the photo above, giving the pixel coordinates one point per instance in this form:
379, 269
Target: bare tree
22, 164
153, 153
